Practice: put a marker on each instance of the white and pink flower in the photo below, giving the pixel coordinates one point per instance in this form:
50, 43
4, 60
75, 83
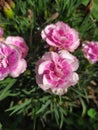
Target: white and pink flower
19, 42
61, 36
55, 72
90, 50
11, 61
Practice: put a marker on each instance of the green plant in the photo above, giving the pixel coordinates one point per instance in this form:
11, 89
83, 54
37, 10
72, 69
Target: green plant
21, 97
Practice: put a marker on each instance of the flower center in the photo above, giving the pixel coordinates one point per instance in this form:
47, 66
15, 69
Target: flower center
67, 39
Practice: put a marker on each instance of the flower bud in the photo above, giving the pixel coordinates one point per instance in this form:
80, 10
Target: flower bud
11, 3
8, 11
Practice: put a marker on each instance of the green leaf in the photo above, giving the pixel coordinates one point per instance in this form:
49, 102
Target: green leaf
85, 2
0, 126
83, 106
62, 119
19, 107
92, 113
56, 114
44, 106
95, 9
6, 91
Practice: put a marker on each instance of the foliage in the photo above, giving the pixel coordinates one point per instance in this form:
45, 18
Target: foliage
21, 99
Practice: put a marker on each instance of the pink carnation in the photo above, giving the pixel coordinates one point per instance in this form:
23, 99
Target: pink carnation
55, 72
1, 32
91, 51
19, 42
61, 36
11, 61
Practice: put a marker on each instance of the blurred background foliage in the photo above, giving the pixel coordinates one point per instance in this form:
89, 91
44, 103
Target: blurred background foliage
23, 105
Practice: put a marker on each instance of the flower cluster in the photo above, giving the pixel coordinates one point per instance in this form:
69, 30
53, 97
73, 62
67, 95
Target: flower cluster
13, 50
55, 71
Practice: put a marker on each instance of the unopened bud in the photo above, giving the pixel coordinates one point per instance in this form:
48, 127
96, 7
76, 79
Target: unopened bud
8, 11
11, 3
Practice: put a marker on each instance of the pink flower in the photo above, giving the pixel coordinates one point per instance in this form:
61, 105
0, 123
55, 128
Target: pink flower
55, 72
61, 36
11, 61
19, 42
90, 50
1, 32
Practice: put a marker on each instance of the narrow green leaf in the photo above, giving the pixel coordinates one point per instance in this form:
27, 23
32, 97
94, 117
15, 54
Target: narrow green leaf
44, 106
16, 108
6, 91
83, 107
62, 120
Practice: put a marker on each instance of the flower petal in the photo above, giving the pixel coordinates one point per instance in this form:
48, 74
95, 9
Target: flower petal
21, 67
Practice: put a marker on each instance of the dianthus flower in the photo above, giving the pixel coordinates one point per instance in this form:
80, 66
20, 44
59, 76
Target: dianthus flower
90, 50
11, 61
55, 72
61, 36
